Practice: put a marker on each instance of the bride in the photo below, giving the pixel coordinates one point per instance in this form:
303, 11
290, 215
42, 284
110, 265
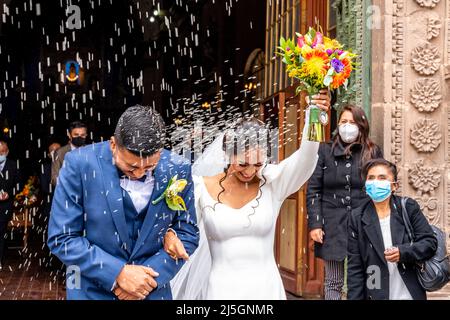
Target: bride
237, 209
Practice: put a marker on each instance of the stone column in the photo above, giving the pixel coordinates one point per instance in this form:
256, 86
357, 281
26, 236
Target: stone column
411, 100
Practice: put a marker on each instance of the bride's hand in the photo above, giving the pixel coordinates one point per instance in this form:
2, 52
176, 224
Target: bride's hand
174, 247
322, 100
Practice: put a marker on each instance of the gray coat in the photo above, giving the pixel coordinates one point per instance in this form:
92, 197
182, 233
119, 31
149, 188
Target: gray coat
58, 162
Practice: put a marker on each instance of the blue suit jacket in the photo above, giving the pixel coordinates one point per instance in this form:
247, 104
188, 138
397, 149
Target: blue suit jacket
88, 231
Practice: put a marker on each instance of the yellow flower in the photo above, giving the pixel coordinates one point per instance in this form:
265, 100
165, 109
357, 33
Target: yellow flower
315, 64
173, 200
176, 203
177, 185
305, 50
331, 44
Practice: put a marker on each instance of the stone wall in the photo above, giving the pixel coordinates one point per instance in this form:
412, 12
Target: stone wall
411, 100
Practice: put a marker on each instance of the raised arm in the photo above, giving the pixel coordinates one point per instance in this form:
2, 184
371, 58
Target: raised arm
290, 174
294, 171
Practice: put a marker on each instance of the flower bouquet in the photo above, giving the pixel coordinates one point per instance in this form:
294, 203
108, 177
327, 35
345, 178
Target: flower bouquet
318, 62
28, 196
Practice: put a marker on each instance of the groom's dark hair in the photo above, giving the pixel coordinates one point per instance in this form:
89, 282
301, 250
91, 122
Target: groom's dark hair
140, 130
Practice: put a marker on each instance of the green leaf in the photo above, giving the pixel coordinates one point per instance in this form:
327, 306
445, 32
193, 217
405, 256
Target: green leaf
312, 33
173, 206
308, 39
282, 42
175, 177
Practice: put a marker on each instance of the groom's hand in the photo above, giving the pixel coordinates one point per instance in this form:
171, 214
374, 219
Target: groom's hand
137, 280
123, 295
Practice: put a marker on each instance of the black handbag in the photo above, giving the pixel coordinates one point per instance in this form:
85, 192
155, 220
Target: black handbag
433, 273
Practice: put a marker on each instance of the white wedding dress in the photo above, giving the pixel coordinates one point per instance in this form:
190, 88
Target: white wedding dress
235, 259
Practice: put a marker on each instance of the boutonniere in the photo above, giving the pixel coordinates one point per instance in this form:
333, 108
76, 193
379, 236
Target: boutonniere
173, 200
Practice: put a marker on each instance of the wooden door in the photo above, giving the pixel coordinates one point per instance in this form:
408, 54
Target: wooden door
301, 272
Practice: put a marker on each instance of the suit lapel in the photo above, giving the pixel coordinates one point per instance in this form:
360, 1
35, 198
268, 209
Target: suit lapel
373, 230
160, 184
113, 193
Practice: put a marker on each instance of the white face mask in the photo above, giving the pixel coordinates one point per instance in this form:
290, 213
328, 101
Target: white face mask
349, 132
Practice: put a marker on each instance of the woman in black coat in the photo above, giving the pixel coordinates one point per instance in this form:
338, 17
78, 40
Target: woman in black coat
334, 189
381, 258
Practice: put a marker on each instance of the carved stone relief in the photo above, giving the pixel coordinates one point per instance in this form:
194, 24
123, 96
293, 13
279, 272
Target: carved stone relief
424, 179
426, 95
425, 59
428, 3
425, 135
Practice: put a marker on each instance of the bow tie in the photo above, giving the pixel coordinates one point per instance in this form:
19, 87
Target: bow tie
124, 176
142, 179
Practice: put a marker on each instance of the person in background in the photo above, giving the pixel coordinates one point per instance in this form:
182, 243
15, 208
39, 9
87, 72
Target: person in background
9, 186
381, 258
335, 189
77, 134
47, 196
46, 171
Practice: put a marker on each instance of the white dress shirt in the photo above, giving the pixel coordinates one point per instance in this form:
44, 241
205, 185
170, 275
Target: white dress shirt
139, 192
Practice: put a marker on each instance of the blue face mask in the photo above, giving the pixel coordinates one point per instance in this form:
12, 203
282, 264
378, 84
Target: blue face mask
378, 190
2, 158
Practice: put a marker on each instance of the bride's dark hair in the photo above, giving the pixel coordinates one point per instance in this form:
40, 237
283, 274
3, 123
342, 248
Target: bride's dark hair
245, 132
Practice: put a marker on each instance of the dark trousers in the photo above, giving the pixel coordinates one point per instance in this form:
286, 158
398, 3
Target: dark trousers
334, 279
3, 234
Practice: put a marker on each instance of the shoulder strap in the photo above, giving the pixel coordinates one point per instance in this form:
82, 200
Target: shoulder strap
406, 220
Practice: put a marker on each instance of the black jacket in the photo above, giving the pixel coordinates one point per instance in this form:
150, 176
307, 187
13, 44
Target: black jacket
9, 182
366, 250
334, 189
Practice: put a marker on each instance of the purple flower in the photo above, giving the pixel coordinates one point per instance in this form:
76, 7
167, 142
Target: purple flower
329, 52
339, 52
287, 48
337, 65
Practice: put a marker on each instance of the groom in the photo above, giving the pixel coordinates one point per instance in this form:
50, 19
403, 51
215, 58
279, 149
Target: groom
105, 225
